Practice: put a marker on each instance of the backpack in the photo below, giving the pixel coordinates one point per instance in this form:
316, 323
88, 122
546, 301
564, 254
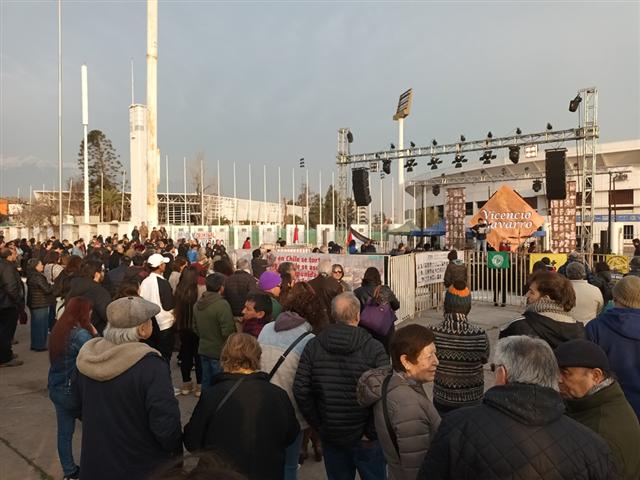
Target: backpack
377, 316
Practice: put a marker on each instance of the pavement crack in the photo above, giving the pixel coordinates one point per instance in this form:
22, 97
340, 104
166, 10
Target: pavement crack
43, 475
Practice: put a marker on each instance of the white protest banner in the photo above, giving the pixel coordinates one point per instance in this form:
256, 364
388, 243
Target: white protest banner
430, 267
354, 265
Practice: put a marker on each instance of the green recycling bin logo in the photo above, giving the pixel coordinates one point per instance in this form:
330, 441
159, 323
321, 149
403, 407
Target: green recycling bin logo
498, 260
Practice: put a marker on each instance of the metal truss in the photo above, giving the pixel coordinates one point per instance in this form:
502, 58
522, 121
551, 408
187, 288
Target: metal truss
541, 138
343, 180
587, 151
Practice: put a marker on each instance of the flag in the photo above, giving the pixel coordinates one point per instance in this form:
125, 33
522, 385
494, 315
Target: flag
498, 260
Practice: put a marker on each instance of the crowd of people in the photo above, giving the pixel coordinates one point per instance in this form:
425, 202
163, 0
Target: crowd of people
278, 364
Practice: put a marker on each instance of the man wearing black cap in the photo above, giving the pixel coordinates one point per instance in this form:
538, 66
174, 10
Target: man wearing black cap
130, 416
595, 399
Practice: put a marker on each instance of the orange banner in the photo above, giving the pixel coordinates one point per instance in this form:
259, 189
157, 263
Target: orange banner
509, 217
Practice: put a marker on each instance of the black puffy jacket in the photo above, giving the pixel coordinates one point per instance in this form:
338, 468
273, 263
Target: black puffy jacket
327, 378
86, 287
553, 332
11, 288
39, 291
518, 432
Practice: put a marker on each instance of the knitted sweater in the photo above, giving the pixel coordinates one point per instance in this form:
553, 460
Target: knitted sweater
462, 350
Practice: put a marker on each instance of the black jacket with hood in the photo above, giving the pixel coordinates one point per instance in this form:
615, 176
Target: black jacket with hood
86, 287
326, 382
130, 415
551, 331
518, 432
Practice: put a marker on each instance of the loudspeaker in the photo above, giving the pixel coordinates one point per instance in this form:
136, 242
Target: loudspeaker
555, 174
360, 183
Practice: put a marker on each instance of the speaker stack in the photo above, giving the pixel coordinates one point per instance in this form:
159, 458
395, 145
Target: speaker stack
556, 176
360, 183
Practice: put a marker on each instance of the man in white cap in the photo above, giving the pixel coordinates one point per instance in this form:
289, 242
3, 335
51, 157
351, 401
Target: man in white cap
130, 416
156, 289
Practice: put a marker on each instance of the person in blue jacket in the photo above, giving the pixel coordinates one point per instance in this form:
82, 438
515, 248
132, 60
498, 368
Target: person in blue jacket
72, 330
617, 331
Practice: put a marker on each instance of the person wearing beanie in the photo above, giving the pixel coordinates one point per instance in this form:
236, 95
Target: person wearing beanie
456, 269
130, 416
594, 398
213, 323
617, 331
269, 283
462, 350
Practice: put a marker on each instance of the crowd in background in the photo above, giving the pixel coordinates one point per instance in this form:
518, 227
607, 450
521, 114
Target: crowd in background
279, 365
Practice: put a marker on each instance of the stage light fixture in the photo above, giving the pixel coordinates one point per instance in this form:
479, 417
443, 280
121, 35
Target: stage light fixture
377, 155
573, 104
386, 166
459, 160
434, 162
435, 190
514, 154
487, 157
302, 162
518, 131
434, 142
489, 135
537, 185
413, 145
349, 137
462, 138
549, 126
531, 151
393, 147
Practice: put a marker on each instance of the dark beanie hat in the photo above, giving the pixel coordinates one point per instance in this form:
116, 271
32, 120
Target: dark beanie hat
581, 353
457, 300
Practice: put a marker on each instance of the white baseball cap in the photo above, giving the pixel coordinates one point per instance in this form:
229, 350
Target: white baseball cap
156, 259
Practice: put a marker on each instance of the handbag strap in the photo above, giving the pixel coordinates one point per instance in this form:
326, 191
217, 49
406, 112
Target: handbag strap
230, 392
287, 352
385, 410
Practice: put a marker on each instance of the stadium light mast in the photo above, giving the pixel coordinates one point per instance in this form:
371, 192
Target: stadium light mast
402, 112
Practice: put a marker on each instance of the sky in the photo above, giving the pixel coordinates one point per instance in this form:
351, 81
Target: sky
266, 83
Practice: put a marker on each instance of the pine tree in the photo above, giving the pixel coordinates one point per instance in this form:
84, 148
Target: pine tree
103, 162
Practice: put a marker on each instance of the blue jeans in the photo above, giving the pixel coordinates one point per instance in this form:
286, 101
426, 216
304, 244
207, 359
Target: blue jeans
291, 457
341, 463
39, 328
66, 417
481, 245
210, 369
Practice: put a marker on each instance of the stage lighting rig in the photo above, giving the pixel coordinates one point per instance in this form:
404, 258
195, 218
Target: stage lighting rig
393, 147
410, 164
487, 157
573, 104
434, 162
537, 185
514, 154
435, 190
459, 160
434, 142
518, 131
549, 126
386, 166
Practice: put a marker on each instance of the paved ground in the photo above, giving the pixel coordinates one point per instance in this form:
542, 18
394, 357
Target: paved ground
27, 418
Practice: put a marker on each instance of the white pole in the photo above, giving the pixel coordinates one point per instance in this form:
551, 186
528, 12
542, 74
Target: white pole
30, 194
279, 198
320, 193
102, 193
85, 127
184, 180
132, 85
250, 216
60, 117
381, 210
333, 199
166, 174
219, 198
414, 204
201, 191
235, 199
124, 177
293, 195
18, 193
264, 191
393, 211
401, 194
307, 188
424, 207
68, 201
153, 154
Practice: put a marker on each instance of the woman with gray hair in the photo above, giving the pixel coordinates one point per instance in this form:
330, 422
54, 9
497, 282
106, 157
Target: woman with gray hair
519, 430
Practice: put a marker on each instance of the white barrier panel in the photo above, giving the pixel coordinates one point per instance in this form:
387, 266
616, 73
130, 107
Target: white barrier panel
69, 232
402, 281
125, 228
362, 229
86, 232
240, 233
291, 233
268, 233
221, 232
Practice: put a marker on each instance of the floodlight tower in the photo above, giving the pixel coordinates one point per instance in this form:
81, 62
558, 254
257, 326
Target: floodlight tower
402, 112
153, 153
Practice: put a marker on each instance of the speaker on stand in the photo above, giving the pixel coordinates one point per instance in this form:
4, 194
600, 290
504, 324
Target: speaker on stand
555, 173
360, 184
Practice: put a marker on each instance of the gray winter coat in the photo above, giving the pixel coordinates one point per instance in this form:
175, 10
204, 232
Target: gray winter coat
412, 414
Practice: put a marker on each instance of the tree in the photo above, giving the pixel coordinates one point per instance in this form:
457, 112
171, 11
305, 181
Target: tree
105, 168
112, 200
